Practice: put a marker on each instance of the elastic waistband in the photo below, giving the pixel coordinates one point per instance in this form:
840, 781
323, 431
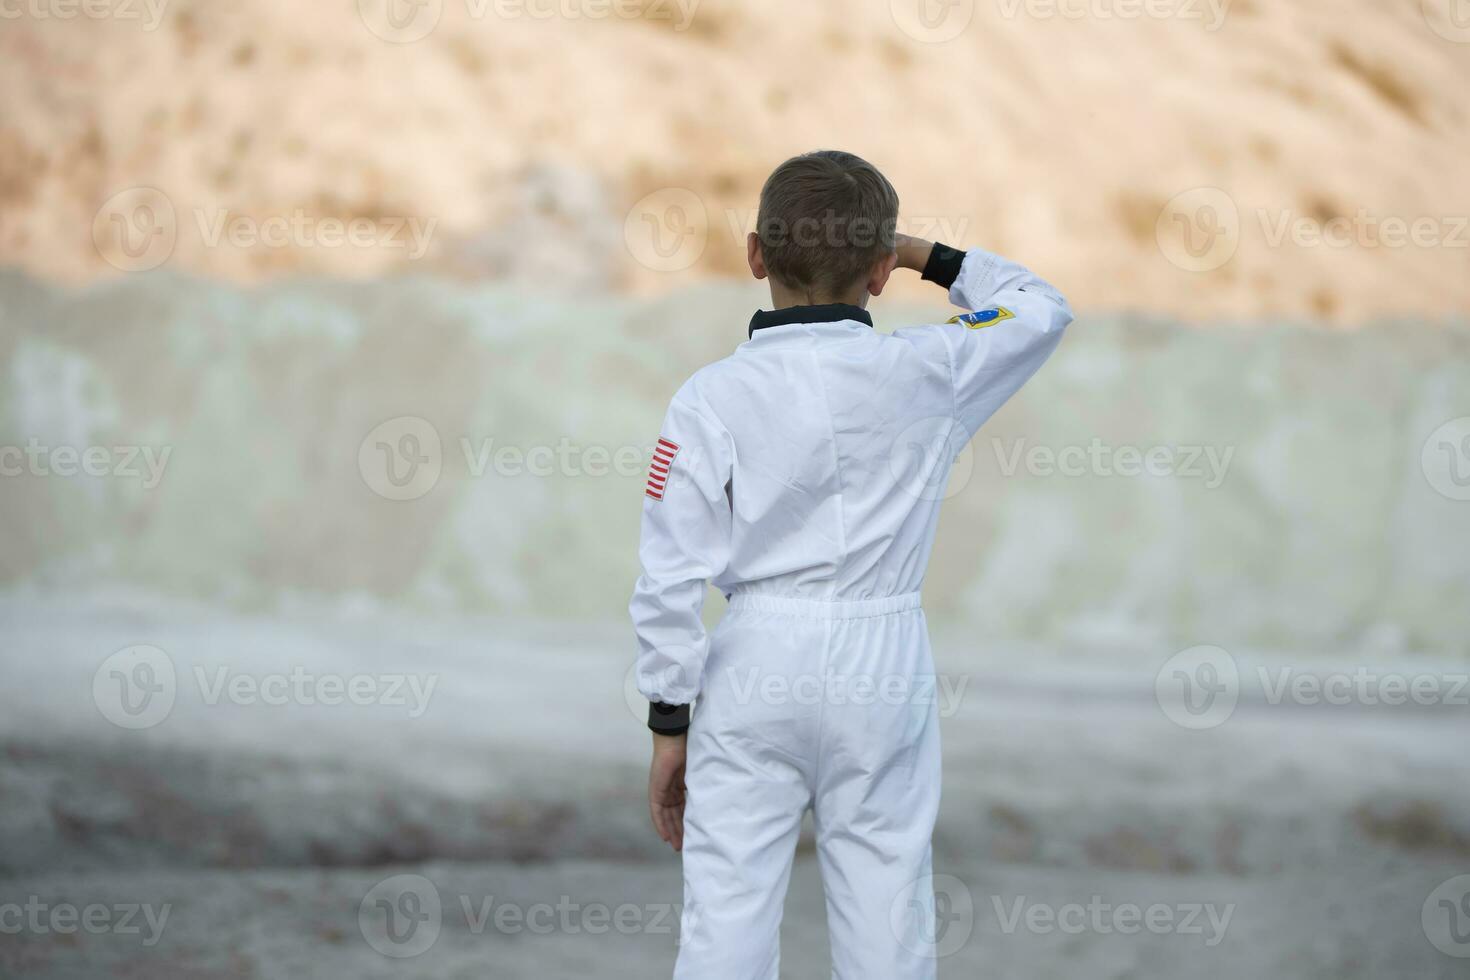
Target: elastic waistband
824, 608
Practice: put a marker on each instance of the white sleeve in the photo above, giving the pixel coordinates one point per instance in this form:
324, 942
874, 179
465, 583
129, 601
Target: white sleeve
1016, 320
685, 543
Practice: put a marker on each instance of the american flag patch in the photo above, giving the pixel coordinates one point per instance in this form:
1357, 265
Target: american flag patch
658, 470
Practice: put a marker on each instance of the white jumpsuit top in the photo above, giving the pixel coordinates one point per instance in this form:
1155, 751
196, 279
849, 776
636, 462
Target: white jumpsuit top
802, 476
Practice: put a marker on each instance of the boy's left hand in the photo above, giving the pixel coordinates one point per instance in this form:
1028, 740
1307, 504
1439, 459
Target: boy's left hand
913, 253
666, 788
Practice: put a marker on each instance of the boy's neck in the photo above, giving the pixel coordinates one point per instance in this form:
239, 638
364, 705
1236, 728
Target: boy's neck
784, 297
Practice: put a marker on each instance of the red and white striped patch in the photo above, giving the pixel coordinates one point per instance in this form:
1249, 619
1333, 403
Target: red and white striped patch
658, 470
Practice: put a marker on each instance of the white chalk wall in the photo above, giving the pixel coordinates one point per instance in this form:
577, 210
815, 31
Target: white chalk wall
1269, 484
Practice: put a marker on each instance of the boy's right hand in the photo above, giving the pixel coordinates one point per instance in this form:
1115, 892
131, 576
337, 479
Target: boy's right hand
666, 788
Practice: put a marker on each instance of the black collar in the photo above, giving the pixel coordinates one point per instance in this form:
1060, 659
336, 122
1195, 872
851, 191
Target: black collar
825, 313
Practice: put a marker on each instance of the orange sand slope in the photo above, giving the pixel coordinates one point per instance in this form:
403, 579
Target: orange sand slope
1192, 157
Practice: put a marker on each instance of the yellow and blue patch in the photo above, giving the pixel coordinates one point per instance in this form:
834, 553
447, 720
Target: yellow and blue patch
984, 318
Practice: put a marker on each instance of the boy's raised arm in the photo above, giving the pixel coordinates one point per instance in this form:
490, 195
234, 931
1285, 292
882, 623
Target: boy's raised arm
1014, 321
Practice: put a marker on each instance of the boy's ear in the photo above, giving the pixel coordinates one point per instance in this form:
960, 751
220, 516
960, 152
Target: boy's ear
754, 257
878, 278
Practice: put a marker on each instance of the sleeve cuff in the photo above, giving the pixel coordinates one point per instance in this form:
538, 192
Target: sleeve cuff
944, 264
668, 719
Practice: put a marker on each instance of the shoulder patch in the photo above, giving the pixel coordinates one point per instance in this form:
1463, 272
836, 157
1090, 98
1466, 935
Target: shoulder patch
984, 318
658, 470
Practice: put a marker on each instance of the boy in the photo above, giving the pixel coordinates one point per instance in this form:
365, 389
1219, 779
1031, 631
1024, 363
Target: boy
786, 475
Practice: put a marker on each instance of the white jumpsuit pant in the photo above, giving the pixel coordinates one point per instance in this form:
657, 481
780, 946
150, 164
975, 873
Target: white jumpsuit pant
822, 704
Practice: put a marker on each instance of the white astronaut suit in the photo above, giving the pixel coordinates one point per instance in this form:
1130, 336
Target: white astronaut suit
802, 476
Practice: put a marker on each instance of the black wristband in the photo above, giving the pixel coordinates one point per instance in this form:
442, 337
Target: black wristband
668, 719
944, 264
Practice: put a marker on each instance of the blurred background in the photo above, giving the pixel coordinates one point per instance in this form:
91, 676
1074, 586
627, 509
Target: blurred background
334, 341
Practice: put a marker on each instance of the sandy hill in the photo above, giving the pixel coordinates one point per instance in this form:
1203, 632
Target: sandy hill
1314, 151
